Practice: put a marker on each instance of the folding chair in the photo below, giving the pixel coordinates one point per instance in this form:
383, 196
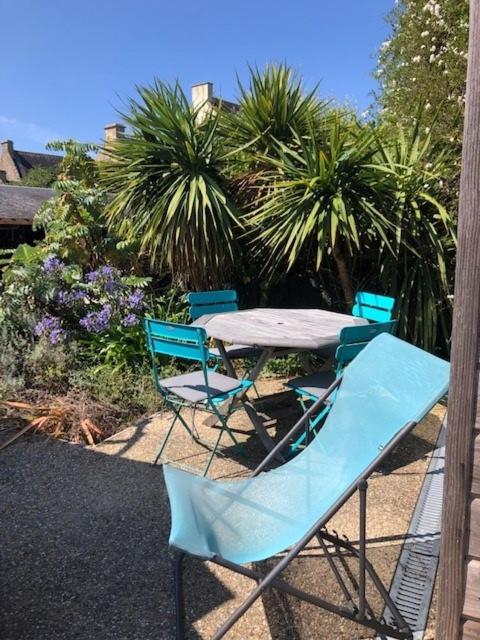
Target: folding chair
213, 302
204, 389
373, 307
209, 302
387, 389
311, 387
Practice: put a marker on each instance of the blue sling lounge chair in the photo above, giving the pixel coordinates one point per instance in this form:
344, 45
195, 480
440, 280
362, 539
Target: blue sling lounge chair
311, 387
387, 389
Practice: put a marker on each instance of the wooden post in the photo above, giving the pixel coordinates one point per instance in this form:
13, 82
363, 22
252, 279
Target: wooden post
463, 402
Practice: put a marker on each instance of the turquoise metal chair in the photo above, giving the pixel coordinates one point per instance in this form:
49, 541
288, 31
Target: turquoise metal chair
204, 388
212, 302
373, 307
309, 388
387, 389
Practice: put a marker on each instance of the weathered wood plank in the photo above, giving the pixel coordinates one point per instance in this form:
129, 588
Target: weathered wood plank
474, 530
471, 607
471, 631
476, 467
289, 328
463, 397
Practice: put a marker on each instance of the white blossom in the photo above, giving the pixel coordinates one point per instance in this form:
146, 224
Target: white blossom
416, 59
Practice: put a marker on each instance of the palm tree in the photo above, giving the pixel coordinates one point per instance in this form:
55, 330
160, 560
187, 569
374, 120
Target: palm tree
273, 108
168, 187
322, 198
417, 269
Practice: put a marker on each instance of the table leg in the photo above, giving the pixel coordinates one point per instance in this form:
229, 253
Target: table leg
250, 410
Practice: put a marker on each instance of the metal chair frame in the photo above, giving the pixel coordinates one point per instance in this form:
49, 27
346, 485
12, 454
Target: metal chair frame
357, 607
188, 342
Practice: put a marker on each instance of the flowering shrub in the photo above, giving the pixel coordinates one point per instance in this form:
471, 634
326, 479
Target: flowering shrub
424, 62
58, 303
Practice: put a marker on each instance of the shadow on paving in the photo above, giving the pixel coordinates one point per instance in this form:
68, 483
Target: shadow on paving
84, 550
85, 554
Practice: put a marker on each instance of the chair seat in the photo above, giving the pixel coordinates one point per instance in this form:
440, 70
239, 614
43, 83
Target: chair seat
312, 385
236, 351
192, 386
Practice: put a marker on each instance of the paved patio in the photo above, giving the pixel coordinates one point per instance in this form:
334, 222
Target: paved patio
84, 547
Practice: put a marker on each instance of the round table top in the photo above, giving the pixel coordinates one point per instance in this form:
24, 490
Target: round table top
286, 328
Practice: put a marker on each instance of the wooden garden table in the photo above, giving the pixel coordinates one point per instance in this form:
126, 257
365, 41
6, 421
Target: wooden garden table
274, 332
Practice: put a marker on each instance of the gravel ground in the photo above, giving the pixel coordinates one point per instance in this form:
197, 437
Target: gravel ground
84, 540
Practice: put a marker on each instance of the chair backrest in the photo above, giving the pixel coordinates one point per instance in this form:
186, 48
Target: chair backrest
176, 340
205, 302
389, 384
372, 306
354, 339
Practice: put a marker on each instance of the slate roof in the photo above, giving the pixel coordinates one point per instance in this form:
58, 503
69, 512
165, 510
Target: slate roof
18, 205
225, 104
26, 160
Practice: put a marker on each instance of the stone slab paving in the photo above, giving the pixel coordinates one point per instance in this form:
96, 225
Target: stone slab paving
84, 553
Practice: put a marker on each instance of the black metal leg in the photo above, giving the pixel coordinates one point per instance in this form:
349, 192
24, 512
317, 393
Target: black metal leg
179, 602
362, 488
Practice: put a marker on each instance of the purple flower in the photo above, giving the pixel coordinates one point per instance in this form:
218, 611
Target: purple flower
51, 328
53, 265
66, 298
105, 276
135, 299
129, 320
63, 297
97, 321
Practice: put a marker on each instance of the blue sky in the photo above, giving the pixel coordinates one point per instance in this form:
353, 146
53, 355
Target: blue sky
67, 66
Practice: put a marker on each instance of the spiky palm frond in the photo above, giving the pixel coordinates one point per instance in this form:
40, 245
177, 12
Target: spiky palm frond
168, 187
419, 271
273, 108
323, 195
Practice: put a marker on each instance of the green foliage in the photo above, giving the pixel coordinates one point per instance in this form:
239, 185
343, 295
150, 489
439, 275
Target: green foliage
132, 392
73, 220
424, 62
168, 188
419, 272
273, 109
121, 348
322, 197
40, 177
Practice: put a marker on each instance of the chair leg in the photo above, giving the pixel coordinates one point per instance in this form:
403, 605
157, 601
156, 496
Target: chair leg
305, 437
223, 429
214, 450
179, 600
165, 440
167, 435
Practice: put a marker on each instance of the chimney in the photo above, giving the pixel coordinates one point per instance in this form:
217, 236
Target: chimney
202, 93
7, 162
7, 147
114, 131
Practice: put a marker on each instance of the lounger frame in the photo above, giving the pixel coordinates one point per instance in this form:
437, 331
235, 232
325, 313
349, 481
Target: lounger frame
357, 608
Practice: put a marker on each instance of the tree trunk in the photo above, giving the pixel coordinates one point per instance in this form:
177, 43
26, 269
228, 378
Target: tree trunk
343, 273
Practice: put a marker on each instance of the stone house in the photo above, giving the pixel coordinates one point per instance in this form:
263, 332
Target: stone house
14, 164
